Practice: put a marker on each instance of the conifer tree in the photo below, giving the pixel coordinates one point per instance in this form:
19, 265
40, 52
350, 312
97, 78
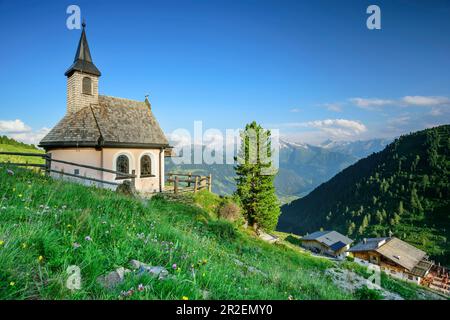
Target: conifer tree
255, 178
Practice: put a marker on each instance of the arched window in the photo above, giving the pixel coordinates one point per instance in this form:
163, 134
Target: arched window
87, 85
122, 165
146, 166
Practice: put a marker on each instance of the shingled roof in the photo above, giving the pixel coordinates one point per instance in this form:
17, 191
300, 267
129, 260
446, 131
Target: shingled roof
402, 253
332, 239
114, 122
369, 244
394, 249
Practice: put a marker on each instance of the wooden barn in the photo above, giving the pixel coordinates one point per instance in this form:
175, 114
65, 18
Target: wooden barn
330, 243
394, 256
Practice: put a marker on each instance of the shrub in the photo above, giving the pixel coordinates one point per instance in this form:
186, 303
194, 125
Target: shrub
207, 201
229, 210
350, 258
294, 240
364, 293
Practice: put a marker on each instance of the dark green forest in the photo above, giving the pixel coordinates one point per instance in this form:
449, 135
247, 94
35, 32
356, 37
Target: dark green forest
404, 189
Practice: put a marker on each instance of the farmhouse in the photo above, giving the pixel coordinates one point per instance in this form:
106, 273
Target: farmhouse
394, 256
105, 132
330, 243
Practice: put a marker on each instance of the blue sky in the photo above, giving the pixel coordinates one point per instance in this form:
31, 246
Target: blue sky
310, 68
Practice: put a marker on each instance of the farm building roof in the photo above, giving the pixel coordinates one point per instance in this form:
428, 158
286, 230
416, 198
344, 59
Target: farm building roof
402, 253
398, 251
369, 244
338, 245
114, 122
332, 239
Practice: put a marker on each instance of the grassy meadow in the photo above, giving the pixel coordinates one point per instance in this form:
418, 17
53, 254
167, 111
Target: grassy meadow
19, 147
47, 226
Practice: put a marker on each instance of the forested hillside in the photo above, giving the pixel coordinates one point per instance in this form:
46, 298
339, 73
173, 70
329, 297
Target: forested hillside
403, 189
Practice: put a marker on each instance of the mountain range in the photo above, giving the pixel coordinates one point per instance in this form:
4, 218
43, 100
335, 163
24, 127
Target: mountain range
302, 166
403, 189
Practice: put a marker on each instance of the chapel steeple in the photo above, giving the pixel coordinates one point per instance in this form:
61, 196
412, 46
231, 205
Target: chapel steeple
83, 59
82, 78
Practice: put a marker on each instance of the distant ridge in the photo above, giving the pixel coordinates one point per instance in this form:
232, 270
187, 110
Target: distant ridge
404, 189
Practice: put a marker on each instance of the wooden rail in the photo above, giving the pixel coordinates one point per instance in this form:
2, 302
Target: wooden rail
47, 167
24, 154
193, 182
83, 177
199, 182
42, 166
121, 174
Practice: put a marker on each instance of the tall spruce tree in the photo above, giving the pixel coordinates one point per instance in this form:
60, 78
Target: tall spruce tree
255, 178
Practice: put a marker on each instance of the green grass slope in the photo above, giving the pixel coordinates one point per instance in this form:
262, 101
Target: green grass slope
41, 220
10, 145
404, 189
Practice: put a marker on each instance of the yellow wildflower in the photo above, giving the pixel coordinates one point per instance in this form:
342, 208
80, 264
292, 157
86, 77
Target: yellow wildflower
1, 242
24, 245
40, 258
12, 283
185, 298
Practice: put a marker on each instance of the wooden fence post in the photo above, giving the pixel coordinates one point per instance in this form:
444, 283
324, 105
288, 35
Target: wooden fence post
175, 186
48, 163
189, 178
133, 180
210, 182
196, 184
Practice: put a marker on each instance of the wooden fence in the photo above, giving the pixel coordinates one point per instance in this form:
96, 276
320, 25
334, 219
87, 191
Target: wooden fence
182, 182
47, 167
188, 182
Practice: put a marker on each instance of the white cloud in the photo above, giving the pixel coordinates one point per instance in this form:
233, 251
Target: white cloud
336, 129
406, 101
336, 107
352, 125
436, 111
13, 126
30, 137
370, 103
426, 101
294, 110
19, 131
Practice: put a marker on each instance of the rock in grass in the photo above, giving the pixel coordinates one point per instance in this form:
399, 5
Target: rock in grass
255, 270
136, 264
250, 269
238, 262
126, 188
113, 278
158, 272
205, 294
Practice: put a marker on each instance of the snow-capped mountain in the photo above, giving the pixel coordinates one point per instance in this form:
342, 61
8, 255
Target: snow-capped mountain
359, 149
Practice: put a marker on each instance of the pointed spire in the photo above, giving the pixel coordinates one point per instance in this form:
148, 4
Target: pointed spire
83, 59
